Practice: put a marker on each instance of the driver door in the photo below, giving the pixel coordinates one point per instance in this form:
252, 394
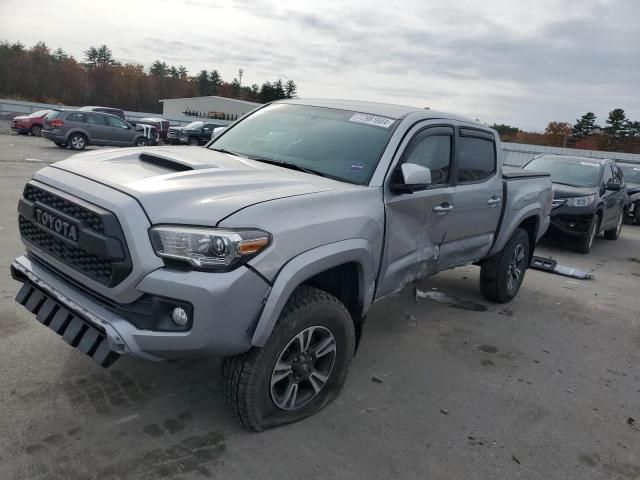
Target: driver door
119, 132
417, 223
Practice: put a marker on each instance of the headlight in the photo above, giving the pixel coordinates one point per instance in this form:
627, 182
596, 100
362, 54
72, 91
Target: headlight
580, 201
208, 248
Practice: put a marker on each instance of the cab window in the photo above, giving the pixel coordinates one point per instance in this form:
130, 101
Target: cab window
433, 152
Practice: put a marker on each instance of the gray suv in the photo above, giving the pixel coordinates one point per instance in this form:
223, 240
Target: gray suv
77, 129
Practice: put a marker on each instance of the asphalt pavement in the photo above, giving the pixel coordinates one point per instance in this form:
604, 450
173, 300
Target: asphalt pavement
545, 387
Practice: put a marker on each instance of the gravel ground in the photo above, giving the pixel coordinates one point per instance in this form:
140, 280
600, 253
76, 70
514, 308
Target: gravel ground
546, 387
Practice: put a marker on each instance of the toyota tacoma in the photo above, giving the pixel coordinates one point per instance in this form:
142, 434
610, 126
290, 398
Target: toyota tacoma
269, 246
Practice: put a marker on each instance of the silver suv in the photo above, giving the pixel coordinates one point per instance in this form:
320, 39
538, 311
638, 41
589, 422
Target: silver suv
77, 129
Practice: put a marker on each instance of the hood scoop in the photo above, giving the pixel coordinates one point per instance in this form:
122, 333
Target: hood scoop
165, 161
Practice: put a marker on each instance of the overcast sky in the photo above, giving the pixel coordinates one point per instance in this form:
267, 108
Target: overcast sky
504, 61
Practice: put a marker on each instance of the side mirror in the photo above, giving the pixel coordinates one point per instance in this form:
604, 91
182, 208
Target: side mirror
613, 186
413, 178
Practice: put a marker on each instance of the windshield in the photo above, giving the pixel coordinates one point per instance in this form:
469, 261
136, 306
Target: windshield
195, 125
339, 144
631, 174
568, 172
39, 113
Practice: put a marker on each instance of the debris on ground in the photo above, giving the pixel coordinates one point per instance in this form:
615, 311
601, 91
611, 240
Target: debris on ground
632, 423
515, 459
551, 266
444, 411
376, 379
441, 297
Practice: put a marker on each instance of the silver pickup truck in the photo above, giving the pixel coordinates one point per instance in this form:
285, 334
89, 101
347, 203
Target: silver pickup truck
269, 246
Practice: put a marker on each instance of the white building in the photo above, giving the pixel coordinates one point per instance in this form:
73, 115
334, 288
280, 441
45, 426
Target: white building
223, 110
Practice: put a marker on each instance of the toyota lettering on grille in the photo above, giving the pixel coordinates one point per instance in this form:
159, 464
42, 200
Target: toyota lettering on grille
55, 224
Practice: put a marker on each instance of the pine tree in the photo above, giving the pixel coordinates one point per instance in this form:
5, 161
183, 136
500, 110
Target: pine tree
290, 89
618, 126
585, 126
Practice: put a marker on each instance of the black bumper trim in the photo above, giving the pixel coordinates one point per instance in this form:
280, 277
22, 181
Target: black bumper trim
75, 330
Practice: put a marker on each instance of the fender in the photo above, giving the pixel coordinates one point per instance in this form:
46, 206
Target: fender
534, 210
306, 265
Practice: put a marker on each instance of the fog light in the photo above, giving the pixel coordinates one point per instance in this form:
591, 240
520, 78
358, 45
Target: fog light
179, 316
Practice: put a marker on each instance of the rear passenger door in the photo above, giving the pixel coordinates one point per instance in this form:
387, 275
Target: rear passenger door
477, 199
97, 128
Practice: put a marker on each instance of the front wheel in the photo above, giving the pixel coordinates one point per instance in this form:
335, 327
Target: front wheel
614, 233
193, 141
299, 370
501, 275
584, 244
142, 142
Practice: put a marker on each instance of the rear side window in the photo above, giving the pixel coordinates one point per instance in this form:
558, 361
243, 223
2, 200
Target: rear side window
476, 159
95, 119
76, 117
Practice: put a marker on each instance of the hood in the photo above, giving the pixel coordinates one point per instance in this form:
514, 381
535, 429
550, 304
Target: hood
21, 118
191, 185
565, 191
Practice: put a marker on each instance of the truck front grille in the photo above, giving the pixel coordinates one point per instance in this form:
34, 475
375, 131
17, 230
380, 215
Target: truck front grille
91, 265
99, 251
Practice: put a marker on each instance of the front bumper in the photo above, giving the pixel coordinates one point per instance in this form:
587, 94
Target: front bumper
226, 307
571, 221
19, 128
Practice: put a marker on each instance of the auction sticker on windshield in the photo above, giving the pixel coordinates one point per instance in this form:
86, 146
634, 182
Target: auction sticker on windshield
589, 164
372, 120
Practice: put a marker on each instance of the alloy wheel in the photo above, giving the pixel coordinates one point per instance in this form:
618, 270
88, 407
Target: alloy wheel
516, 267
77, 142
303, 368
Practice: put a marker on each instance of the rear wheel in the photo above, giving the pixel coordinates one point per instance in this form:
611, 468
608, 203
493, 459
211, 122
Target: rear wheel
501, 275
299, 370
584, 244
36, 130
77, 141
614, 233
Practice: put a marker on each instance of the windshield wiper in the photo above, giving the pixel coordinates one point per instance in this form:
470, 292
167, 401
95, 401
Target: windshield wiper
229, 152
290, 165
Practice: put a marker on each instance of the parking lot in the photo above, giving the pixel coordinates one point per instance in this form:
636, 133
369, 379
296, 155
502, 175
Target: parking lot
451, 387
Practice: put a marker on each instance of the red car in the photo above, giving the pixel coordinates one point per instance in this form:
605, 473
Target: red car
31, 123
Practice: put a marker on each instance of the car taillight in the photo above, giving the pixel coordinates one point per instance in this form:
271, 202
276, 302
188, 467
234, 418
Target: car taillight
56, 123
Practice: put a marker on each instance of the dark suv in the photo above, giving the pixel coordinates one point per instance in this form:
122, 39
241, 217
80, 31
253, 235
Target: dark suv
590, 196
631, 172
195, 133
77, 129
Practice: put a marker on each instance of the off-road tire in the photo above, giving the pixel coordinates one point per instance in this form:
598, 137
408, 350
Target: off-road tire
614, 233
246, 378
495, 271
584, 244
77, 145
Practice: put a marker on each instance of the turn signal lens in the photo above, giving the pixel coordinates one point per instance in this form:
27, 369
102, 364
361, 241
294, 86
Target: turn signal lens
249, 247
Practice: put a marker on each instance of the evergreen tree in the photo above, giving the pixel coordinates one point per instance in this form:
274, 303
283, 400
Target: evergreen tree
618, 126
202, 79
585, 126
290, 89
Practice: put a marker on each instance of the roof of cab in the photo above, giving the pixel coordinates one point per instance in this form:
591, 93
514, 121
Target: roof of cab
388, 110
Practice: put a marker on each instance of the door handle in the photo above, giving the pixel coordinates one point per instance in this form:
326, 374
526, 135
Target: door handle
443, 208
494, 201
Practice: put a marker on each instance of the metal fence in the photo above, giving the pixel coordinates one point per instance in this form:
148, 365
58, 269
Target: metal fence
19, 107
517, 154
